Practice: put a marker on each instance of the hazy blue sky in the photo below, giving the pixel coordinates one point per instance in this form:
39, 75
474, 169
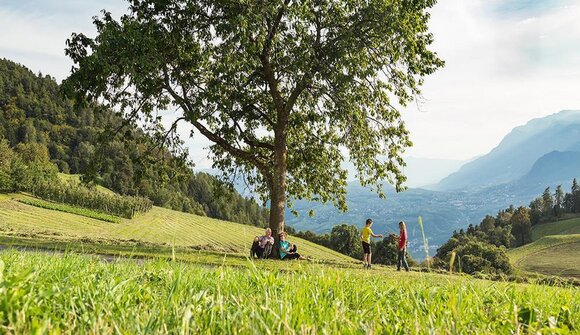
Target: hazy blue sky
507, 61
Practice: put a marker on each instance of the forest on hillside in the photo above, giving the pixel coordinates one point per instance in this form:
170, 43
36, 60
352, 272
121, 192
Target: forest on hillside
96, 142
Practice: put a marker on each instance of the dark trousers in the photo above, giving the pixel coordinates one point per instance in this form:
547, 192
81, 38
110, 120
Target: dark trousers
256, 251
292, 256
402, 260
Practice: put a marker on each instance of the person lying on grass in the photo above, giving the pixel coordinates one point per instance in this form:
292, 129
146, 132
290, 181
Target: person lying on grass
287, 250
262, 246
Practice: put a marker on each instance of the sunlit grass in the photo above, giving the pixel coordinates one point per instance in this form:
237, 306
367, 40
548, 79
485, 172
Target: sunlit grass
564, 227
555, 255
76, 294
158, 226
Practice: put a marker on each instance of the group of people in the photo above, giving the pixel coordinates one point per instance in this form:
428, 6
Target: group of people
263, 245
366, 235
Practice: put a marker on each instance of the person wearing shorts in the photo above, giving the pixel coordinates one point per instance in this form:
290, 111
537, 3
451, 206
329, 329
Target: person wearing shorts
365, 238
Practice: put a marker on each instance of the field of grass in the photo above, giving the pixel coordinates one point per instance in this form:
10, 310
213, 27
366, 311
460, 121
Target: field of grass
44, 293
564, 227
158, 226
553, 255
185, 274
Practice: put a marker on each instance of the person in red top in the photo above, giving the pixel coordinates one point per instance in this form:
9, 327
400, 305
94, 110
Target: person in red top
402, 260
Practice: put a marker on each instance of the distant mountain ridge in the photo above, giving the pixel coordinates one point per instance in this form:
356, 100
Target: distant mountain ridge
518, 151
555, 166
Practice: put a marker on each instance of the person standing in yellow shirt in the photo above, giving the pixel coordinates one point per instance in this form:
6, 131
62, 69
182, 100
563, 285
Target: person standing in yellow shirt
365, 238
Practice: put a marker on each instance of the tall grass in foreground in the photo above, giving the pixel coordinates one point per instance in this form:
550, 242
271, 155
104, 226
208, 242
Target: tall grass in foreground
75, 294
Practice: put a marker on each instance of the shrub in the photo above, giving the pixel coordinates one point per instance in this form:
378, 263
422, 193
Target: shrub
69, 209
473, 256
78, 195
477, 256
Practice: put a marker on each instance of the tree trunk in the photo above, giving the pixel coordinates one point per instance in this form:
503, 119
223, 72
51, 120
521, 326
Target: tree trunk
278, 188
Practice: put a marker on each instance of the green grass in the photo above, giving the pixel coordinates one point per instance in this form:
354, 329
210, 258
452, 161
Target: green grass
70, 209
192, 276
571, 226
553, 255
42, 293
123, 249
158, 226
555, 250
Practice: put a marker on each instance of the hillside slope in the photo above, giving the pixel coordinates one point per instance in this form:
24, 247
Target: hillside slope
564, 227
128, 160
556, 166
552, 255
555, 250
159, 226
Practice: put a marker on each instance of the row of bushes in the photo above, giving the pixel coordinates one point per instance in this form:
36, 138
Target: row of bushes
70, 209
78, 195
27, 168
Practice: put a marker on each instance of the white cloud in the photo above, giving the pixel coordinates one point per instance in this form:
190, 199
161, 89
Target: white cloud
33, 33
507, 61
500, 71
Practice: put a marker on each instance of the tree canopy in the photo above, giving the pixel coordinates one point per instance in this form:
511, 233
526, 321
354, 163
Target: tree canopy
286, 90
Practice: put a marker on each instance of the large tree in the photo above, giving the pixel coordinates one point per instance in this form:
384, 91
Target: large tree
285, 90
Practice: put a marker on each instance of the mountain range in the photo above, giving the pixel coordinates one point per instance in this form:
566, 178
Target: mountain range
518, 151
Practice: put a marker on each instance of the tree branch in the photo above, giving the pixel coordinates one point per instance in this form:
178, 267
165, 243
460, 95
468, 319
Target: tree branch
229, 148
223, 143
250, 142
265, 59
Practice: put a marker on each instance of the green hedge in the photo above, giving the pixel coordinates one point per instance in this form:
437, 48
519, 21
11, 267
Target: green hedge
78, 195
70, 209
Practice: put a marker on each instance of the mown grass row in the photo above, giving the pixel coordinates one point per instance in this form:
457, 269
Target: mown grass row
158, 226
74, 294
70, 209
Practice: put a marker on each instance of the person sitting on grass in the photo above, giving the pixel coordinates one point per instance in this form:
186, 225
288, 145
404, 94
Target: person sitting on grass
365, 238
262, 246
287, 250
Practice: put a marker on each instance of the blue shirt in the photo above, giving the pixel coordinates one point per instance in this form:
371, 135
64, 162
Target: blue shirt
284, 245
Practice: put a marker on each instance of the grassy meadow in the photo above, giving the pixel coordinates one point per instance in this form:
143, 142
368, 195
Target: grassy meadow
564, 227
552, 255
555, 249
76, 178
159, 226
167, 272
53, 294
